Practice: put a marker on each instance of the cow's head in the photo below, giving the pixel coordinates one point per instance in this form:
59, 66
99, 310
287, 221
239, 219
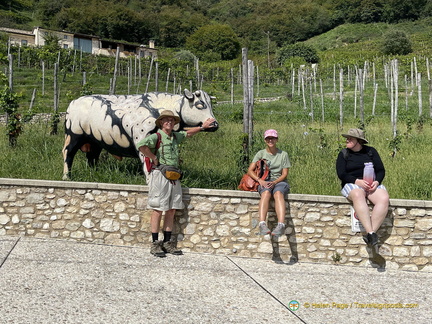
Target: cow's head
196, 108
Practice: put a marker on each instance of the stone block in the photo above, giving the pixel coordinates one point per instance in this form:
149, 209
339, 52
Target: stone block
394, 240
400, 211
195, 239
424, 224
404, 223
409, 267
223, 230
311, 217
343, 222
215, 245
331, 233
311, 248
401, 251
59, 224
241, 209
265, 247
317, 255
324, 242
327, 219
77, 234
351, 252
427, 251
34, 198
4, 219
114, 239
417, 212
308, 230
356, 240
73, 226
109, 225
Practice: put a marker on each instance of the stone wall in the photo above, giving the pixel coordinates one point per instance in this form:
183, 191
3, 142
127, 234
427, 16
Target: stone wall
216, 221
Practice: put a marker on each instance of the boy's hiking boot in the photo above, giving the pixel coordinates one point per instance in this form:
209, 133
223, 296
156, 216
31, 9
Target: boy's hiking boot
170, 247
263, 229
279, 230
156, 249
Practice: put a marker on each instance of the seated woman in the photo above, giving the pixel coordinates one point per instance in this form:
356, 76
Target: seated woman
350, 166
276, 186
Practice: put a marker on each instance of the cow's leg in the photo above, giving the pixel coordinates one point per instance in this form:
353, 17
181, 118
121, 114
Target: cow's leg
93, 155
71, 146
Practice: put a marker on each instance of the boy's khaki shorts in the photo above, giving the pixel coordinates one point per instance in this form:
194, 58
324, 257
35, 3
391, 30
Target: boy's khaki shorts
164, 194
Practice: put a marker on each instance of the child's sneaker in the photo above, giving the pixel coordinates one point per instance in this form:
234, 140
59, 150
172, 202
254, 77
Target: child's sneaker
279, 230
263, 229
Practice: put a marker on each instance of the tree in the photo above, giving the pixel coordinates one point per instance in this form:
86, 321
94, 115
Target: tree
49, 52
176, 24
47, 9
123, 23
399, 10
396, 42
214, 42
359, 11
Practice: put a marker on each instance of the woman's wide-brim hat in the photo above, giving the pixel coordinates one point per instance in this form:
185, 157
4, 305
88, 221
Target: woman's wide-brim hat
356, 133
167, 113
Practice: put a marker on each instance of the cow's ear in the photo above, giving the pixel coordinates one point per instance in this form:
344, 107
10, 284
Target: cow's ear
188, 94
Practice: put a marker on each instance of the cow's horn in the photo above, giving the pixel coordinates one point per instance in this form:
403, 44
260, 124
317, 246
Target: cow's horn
188, 94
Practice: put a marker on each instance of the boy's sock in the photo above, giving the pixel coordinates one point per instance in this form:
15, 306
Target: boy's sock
167, 236
155, 237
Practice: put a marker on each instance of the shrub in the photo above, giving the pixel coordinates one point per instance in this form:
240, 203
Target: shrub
185, 56
308, 53
396, 42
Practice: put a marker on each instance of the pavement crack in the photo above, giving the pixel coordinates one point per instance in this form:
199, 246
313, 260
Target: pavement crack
265, 289
10, 251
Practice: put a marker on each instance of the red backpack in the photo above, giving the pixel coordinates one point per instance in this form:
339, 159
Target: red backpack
147, 161
261, 170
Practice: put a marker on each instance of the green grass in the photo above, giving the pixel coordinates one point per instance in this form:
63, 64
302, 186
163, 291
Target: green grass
214, 160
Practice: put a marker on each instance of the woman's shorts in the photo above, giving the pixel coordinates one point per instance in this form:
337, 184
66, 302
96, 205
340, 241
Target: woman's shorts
350, 186
164, 194
280, 186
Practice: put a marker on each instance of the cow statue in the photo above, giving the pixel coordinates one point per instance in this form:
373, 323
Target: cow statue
117, 123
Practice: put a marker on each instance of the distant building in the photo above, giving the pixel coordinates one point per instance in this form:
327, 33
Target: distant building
85, 43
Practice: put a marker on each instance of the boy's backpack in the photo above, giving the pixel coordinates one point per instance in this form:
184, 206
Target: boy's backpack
147, 161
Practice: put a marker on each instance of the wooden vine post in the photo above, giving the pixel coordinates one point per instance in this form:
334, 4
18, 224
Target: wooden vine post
55, 117
149, 74
341, 88
361, 86
247, 67
113, 83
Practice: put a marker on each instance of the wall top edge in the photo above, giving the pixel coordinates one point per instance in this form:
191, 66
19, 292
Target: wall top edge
195, 191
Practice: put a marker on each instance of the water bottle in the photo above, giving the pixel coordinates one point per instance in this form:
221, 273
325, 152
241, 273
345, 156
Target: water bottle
369, 173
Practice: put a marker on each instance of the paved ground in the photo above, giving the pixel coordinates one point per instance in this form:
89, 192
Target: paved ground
53, 281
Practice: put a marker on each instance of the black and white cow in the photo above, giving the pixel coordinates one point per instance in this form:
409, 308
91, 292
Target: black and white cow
117, 123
